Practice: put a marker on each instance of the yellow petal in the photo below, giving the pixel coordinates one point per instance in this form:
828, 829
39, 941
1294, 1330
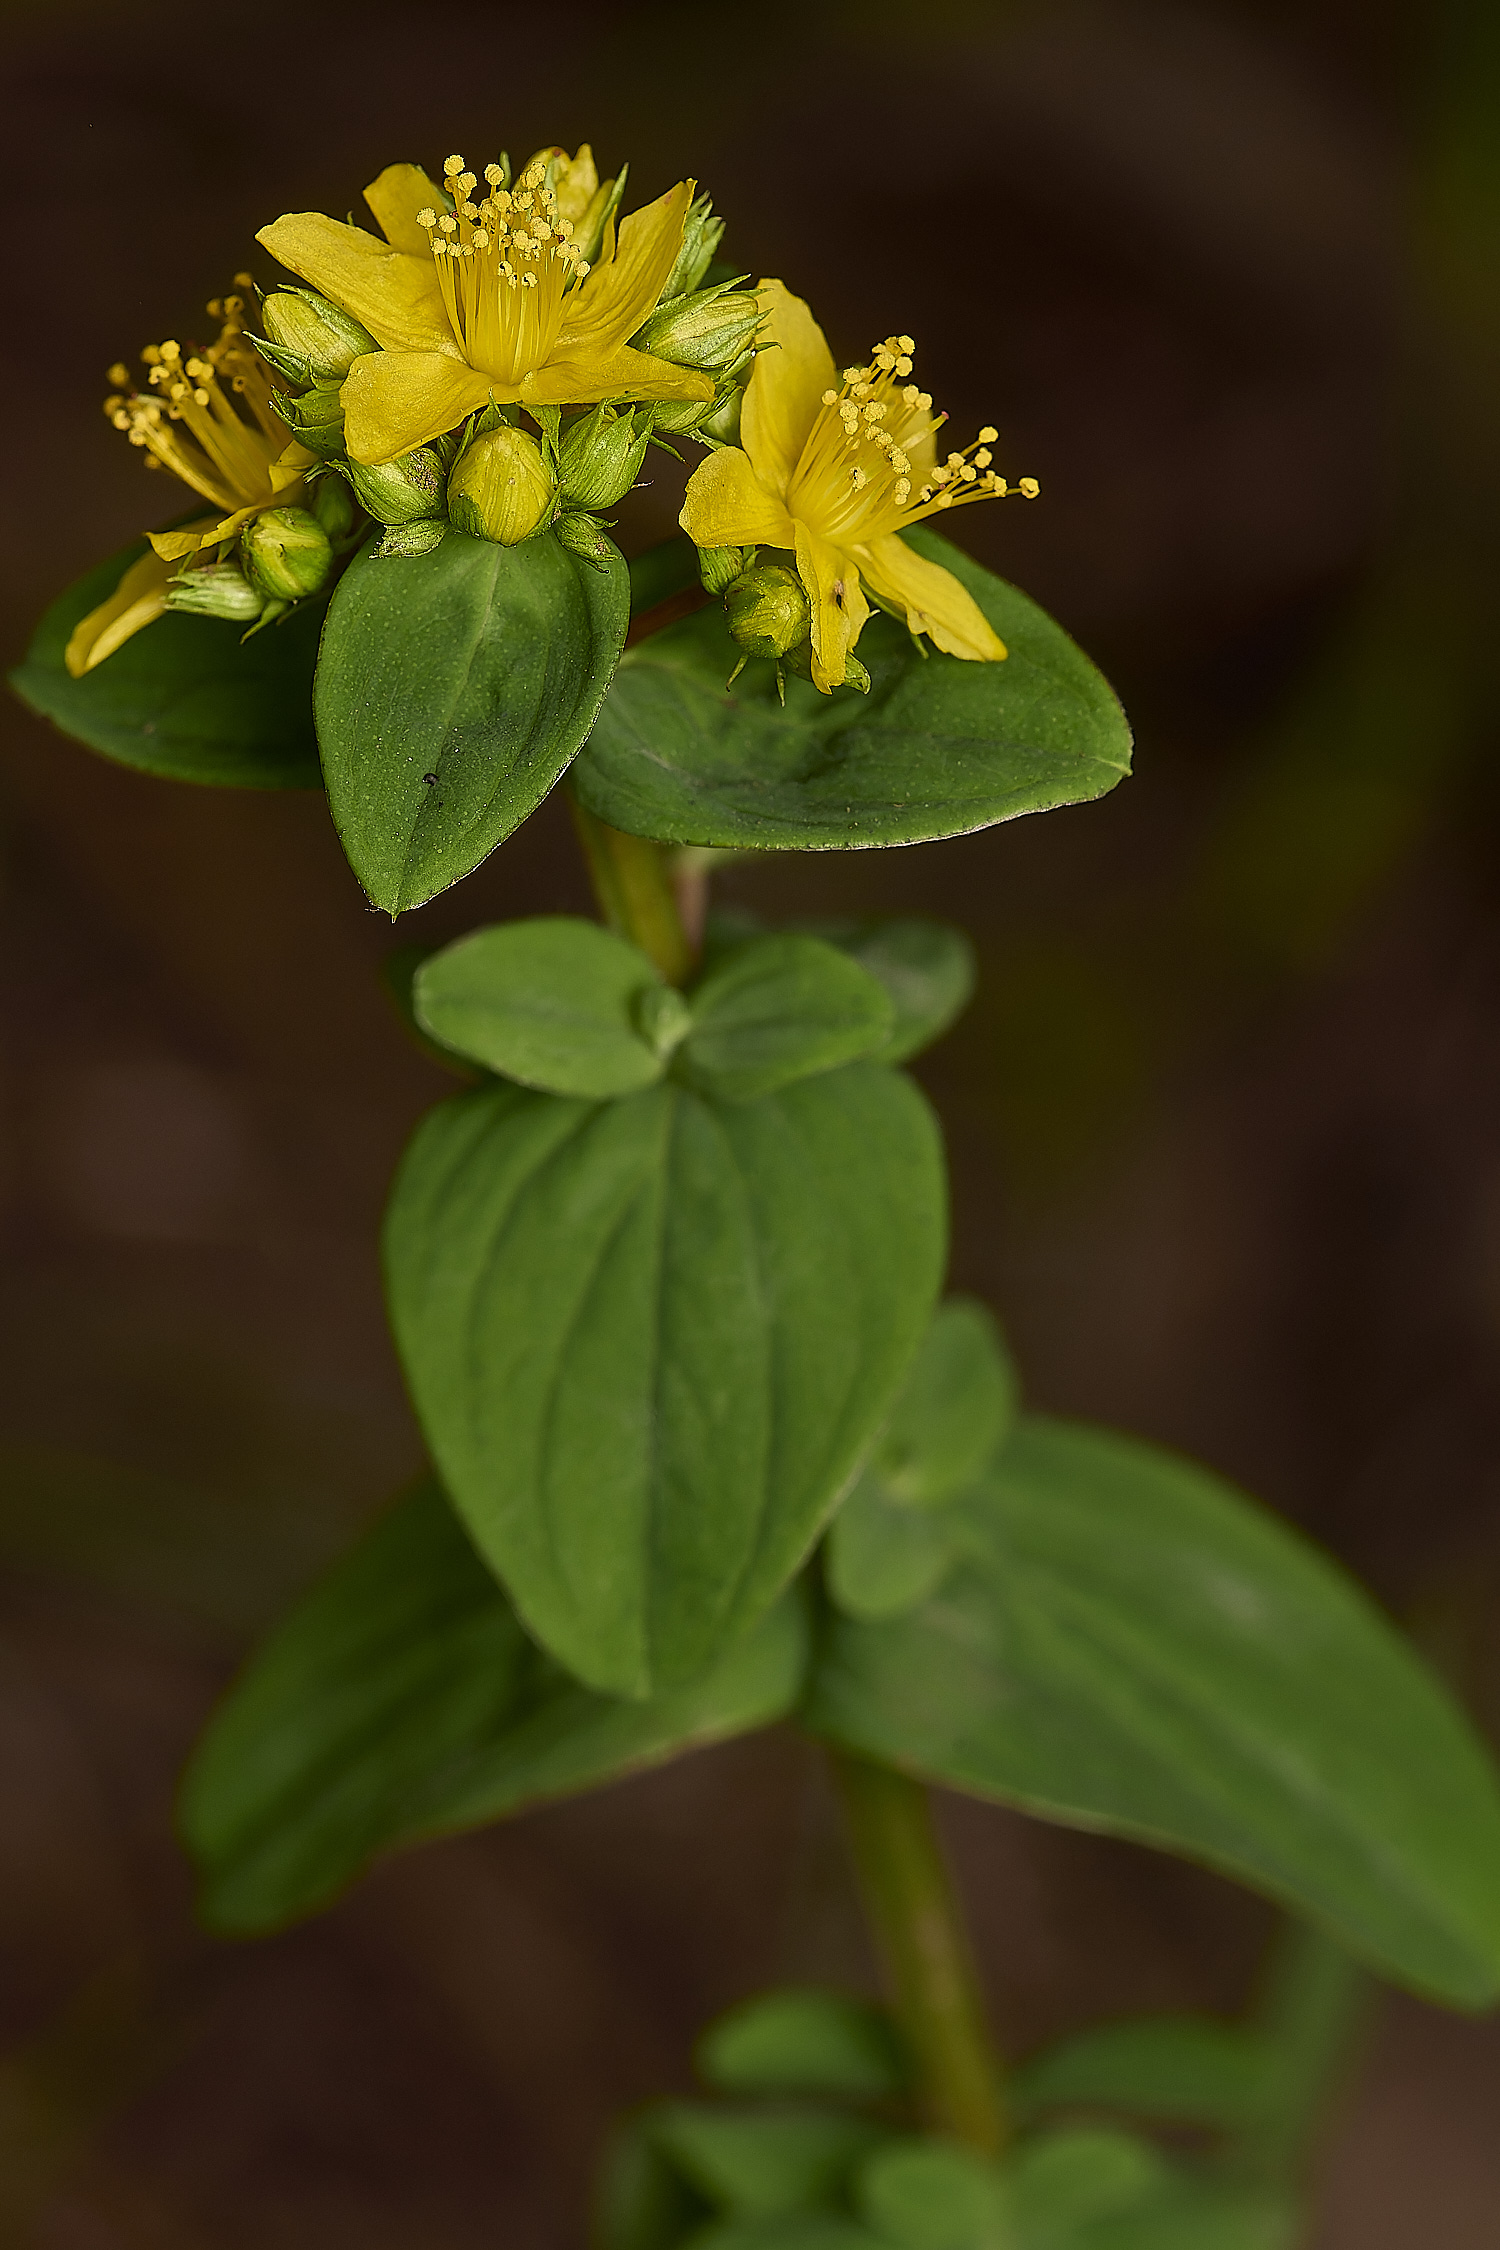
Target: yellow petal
173, 546
574, 376
575, 184
621, 290
726, 506
830, 580
933, 599
401, 191
395, 400
786, 386
396, 297
138, 600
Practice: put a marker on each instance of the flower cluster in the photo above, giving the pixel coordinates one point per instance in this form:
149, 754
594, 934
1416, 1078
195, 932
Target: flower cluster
496, 360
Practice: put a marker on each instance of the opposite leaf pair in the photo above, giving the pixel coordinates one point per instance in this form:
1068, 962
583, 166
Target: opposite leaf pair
567, 1007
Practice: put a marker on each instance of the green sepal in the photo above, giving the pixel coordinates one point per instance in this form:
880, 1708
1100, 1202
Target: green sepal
186, 698
1127, 1644
938, 747
401, 1700
453, 691
649, 1340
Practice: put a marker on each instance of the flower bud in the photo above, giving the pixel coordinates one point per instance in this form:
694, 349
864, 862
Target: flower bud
856, 675
583, 537
719, 567
708, 330
399, 491
333, 507
216, 590
316, 419
700, 239
500, 488
722, 421
408, 539
287, 553
767, 610
599, 457
322, 337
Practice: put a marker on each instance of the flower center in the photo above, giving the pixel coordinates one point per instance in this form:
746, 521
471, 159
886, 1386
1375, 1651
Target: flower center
870, 462
503, 265
193, 425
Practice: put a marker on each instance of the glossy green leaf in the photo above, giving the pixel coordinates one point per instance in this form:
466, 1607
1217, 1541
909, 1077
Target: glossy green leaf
402, 1699
939, 747
453, 690
649, 1341
922, 2194
1189, 2070
187, 698
780, 1009
926, 967
892, 1542
802, 2041
755, 2163
551, 1003
1130, 1645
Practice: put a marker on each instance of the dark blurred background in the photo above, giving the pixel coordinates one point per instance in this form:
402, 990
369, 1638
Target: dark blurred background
1225, 1116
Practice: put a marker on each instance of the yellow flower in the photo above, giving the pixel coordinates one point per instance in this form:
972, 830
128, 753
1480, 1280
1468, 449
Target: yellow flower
489, 300
835, 467
190, 421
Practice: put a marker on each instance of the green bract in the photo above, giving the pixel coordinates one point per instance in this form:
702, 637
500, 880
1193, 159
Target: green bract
939, 746
189, 698
453, 689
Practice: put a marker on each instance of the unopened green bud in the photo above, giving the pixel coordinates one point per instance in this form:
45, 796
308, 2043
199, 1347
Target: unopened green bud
400, 491
708, 330
287, 553
722, 421
767, 610
585, 538
500, 489
719, 567
316, 419
408, 539
333, 507
323, 337
216, 590
599, 457
663, 1018
700, 239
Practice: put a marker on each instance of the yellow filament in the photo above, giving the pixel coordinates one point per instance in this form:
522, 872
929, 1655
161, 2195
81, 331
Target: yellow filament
211, 420
870, 440
504, 266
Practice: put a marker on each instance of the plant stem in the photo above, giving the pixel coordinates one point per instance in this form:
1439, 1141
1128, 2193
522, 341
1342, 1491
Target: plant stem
633, 883
925, 1950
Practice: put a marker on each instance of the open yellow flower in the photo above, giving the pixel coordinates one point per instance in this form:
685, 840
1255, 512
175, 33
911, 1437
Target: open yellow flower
190, 421
488, 300
834, 467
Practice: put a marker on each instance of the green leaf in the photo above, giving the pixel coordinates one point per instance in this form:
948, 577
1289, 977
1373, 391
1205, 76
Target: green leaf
939, 746
1130, 1645
649, 1341
802, 2041
642, 2202
552, 1003
925, 2194
453, 690
813, 2230
892, 1543
926, 967
187, 698
757, 2163
780, 1009
1190, 2070
402, 1699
